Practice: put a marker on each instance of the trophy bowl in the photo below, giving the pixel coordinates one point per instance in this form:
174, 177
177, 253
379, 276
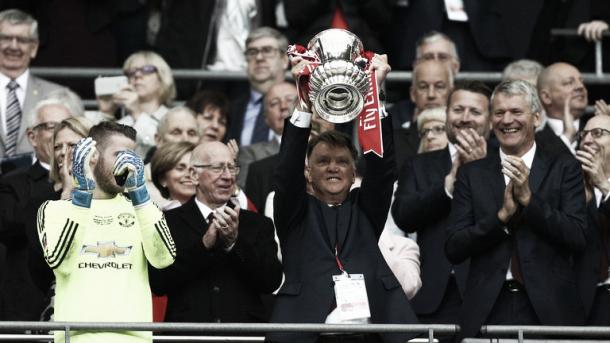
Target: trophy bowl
338, 86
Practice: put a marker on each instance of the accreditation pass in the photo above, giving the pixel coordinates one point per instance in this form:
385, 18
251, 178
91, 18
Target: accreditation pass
350, 293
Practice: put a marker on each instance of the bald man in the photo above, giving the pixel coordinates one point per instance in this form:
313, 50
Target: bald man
226, 256
432, 83
564, 98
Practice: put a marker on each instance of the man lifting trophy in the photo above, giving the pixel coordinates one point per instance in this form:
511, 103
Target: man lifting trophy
338, 85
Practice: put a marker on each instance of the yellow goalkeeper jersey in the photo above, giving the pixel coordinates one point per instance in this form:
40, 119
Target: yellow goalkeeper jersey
99, 256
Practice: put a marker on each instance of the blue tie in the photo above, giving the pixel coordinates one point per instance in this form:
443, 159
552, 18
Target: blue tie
13, 118
261, 130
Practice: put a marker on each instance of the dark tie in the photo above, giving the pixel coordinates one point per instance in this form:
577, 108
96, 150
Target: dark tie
210, 218
515, 266
13, 118
261, 130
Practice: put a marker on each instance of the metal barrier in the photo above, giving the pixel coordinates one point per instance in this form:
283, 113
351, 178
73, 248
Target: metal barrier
598, 46
562, 331
231, 328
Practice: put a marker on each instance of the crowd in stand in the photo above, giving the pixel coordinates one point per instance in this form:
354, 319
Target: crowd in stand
489, 204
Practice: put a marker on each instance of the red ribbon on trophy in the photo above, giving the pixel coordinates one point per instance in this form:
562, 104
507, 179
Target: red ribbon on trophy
369, 119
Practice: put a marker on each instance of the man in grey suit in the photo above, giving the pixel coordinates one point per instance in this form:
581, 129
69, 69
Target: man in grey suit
278, 104
19, 90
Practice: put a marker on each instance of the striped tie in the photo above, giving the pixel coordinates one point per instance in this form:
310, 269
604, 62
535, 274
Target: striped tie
13, 118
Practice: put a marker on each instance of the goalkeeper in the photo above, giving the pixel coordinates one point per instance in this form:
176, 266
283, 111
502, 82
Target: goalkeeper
99, 242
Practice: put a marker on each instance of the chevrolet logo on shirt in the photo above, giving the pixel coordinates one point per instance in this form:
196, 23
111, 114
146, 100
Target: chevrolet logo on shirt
105, 249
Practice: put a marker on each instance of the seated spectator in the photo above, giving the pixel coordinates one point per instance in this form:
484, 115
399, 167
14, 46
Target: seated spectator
212, 113
279, 102
65, 136
171, 173
178, 125
146, 98
431, 128
526, 70
266, 63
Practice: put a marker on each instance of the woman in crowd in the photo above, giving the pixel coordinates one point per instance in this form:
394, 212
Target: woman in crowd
212, 113
431, 128
148, 95
65, 136
171, 174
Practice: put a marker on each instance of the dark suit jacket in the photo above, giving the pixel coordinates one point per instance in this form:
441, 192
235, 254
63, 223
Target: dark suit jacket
547, 233
240, 96
421, 205
252, 153
307, 295
547, 140
588, 262
259, 182
20, 299
407, 143
212, 285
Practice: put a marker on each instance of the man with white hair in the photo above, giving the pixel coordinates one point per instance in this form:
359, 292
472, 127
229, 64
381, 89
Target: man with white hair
19, 90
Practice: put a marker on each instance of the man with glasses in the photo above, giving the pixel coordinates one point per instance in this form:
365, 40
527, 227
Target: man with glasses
19, 90
266, 64
20, 299
592, 265
422, 201
519, 216
226, 256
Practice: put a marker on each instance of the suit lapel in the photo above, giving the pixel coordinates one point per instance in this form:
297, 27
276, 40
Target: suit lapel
193, 217
538, 171
494, 177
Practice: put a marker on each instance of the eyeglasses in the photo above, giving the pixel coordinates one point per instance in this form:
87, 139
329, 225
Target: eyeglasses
267, 51
8, 39
219, 168
436, 130
49, 126
597, 132
144, 70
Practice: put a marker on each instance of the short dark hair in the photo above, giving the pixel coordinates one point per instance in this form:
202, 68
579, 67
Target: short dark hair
203, 99
335, 139
105, 129
470, 86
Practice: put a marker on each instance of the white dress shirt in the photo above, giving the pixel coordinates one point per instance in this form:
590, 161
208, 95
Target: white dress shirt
22, 81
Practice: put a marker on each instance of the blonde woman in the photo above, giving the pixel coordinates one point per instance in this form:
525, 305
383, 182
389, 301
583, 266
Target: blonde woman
145, 100
65, 136
431, 128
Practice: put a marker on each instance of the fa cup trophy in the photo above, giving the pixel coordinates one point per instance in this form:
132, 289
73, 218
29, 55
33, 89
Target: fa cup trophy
339, 84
